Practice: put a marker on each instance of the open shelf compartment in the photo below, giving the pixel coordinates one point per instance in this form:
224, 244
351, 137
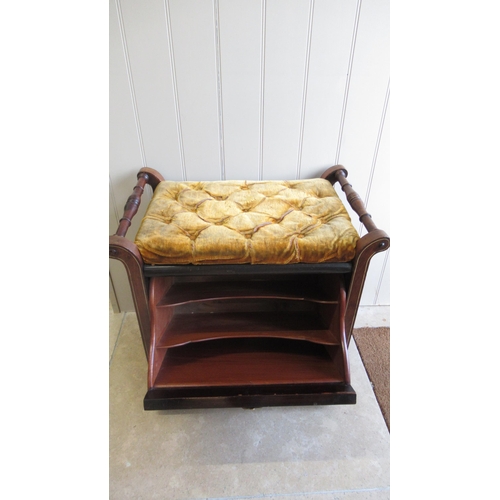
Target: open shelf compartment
248, 342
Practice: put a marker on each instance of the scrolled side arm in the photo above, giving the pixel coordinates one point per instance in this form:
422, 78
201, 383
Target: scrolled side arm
127, 252
375, 241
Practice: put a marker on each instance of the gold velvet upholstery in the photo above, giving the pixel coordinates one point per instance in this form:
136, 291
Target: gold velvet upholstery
236, 222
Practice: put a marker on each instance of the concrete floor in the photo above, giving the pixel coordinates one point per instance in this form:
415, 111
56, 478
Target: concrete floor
330, 452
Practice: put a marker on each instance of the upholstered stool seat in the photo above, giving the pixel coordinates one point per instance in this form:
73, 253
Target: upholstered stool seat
238, 222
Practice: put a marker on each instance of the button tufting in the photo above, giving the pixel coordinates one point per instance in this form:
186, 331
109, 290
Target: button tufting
268, 217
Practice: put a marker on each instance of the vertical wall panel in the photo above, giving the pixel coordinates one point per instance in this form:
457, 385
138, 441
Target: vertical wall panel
330, 47
285, 60
113, 210
240, 38
366, 92
361, 125
147, 42
193, 34
125, 156
383, 295
124, 146
377, 202
377, 194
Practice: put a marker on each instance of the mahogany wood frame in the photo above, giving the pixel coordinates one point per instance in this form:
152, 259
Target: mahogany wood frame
139, 276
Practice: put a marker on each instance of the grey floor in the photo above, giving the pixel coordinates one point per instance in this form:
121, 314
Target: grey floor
331, 452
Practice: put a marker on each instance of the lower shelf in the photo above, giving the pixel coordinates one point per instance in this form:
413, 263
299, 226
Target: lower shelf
263, 361
250, 373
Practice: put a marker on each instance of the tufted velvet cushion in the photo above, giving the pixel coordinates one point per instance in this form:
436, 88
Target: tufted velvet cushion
236, 222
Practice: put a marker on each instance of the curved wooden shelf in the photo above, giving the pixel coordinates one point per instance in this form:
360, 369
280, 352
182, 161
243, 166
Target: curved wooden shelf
300, 289
187, 328
258, 362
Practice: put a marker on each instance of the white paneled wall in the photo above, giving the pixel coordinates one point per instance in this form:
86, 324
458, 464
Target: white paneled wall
250, 89
240, 29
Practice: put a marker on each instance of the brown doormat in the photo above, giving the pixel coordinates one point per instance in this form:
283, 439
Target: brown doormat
374, 348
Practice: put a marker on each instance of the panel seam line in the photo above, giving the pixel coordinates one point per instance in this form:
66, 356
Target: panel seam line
131, 82
304, 91
262, 88
218, 69
377, 147
377, 144
170, 40
348, 80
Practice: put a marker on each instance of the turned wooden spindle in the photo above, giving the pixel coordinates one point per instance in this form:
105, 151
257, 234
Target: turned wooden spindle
132, 205
339, 174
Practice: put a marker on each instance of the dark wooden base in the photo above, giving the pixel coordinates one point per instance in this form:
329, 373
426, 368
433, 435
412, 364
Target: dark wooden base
255, 397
